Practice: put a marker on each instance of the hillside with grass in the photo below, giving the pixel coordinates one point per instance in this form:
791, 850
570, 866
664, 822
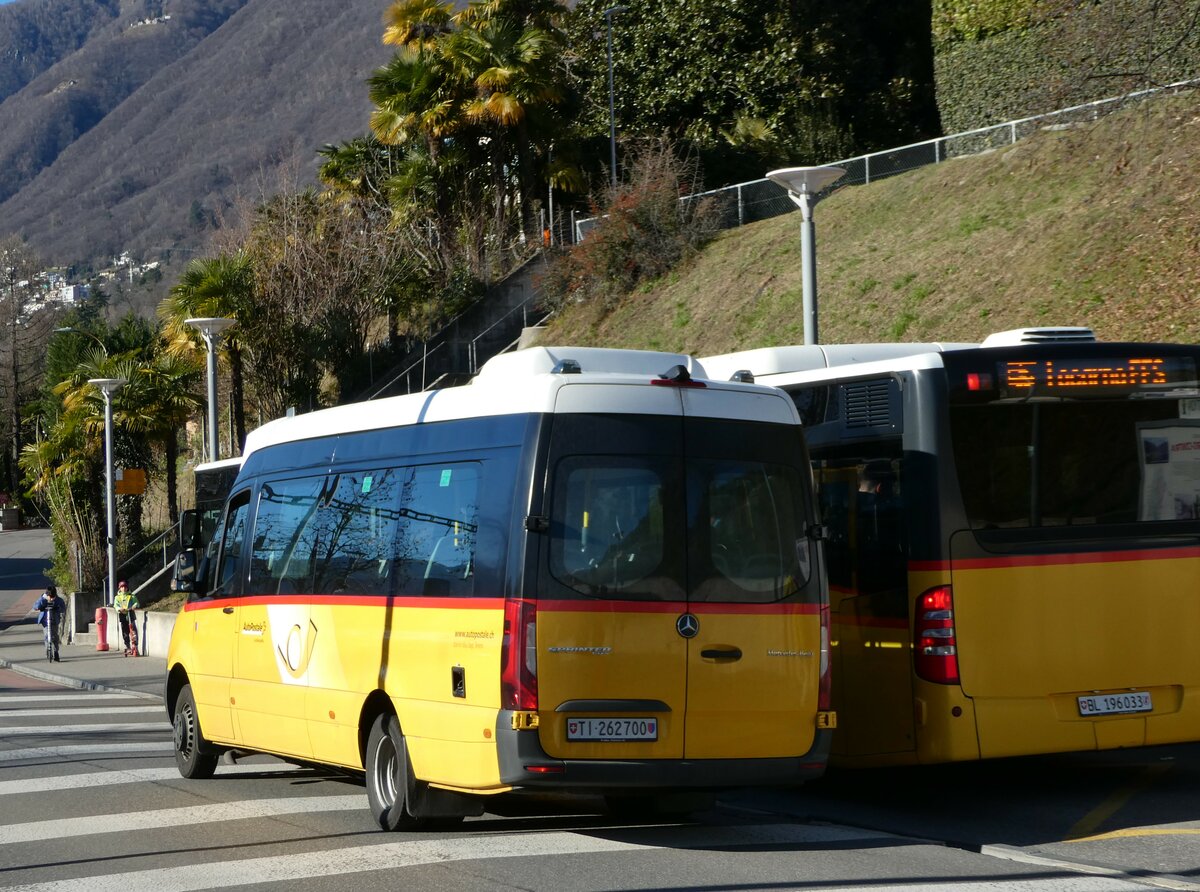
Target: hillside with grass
1095, 225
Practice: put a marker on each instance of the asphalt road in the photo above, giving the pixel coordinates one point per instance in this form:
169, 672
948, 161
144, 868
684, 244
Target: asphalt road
90, 800
24, 558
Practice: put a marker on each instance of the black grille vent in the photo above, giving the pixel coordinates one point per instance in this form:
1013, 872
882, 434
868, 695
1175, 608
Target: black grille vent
867, 404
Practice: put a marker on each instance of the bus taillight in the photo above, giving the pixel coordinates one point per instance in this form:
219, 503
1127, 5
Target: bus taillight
935, 647
518, 656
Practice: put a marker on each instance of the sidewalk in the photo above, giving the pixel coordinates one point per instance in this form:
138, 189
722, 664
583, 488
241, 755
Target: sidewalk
22, 650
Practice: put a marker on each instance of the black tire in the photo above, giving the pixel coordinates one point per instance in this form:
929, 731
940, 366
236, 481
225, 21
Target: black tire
390, 783
194, 757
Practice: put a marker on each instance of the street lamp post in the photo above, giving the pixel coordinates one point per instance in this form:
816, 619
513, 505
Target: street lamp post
803, 185
612, 108
108, 387
15, 307
211, 329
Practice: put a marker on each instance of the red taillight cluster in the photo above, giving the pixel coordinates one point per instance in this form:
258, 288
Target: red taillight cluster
935, 648
518, 656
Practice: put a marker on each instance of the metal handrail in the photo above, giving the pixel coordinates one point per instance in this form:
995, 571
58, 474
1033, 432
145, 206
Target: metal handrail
160, 542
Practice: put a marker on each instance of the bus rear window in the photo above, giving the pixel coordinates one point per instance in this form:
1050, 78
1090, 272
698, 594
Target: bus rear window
1067, 463
609, 534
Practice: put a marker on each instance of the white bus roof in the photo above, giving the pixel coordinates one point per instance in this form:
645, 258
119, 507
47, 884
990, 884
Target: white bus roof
770, 362
235, 462
529, 381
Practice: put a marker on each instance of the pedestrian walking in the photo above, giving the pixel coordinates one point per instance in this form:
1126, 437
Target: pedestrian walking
126, 603
53, 610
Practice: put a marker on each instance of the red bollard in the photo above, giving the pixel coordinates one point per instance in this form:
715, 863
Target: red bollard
101, 629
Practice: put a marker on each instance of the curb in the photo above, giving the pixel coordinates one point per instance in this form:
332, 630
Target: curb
77, 683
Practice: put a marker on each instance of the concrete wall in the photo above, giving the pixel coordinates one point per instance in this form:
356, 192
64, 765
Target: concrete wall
154, 627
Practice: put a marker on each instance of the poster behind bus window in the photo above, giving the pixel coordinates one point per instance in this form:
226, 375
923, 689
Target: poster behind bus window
1170, 458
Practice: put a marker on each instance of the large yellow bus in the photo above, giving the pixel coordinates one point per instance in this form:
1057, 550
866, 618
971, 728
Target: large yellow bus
588, 571
1014, 553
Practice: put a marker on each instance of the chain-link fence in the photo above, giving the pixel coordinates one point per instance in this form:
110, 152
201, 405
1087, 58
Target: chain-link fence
761, 199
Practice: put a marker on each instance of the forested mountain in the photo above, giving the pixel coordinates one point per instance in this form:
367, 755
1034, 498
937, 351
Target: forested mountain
132, 125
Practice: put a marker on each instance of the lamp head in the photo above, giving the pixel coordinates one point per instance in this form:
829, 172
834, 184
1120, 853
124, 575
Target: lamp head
806, 180
210, 326
107, 386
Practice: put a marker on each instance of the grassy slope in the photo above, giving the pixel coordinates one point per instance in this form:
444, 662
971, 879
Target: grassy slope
1097, 225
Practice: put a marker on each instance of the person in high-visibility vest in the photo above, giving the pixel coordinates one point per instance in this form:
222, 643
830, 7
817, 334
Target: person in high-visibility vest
126, 602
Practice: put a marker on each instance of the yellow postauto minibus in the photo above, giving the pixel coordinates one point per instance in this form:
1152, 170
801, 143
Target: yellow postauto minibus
1014, 552
587, 571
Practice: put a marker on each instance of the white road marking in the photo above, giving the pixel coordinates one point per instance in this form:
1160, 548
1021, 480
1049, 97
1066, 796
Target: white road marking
54, 697
393, 855
97, 710
128, 776
157, 819
110, 728
99, 748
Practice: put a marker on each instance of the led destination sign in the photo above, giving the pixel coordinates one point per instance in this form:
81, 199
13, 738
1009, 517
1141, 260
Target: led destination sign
1054, 374
1083, 376
1046, 377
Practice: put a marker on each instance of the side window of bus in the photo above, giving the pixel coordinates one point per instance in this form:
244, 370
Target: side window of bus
225, 582
285, 537
356, 532
862, 504
607, 529
437, 529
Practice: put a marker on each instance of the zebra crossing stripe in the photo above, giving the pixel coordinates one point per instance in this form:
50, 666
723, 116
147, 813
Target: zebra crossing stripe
98, 748
130, 776
110, 728
158, 819
55, 697
96, 710
413, 853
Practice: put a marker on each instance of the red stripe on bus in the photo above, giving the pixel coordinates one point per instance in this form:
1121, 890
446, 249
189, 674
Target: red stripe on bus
351, 601
561, 606
1048, 560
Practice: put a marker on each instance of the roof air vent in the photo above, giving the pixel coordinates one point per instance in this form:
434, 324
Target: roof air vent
742, 376
1065, 335
567, 367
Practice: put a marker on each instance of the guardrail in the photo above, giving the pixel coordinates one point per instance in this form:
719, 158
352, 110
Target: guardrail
762, 199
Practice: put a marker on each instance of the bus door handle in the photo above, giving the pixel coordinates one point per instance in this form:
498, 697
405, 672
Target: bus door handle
721, 653
227, 610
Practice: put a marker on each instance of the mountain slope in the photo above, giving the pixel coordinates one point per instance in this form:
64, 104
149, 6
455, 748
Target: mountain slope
1098, 225
257, 95
71, 96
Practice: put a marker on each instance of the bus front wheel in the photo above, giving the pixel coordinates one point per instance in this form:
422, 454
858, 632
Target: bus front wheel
390, 783
193, 756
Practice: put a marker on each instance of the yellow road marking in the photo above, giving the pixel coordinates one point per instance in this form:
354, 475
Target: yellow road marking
1139, 831
1087, 825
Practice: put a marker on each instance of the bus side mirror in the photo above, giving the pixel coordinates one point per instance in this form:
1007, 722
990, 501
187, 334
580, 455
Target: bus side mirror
189, 529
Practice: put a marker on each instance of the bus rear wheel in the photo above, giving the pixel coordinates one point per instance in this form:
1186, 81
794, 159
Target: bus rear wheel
390, 783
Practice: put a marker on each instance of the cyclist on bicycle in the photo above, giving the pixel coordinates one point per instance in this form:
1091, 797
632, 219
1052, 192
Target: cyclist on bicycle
52, 608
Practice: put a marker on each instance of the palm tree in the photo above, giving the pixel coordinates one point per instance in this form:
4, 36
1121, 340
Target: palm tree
513, 71
219, 286
158, 400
